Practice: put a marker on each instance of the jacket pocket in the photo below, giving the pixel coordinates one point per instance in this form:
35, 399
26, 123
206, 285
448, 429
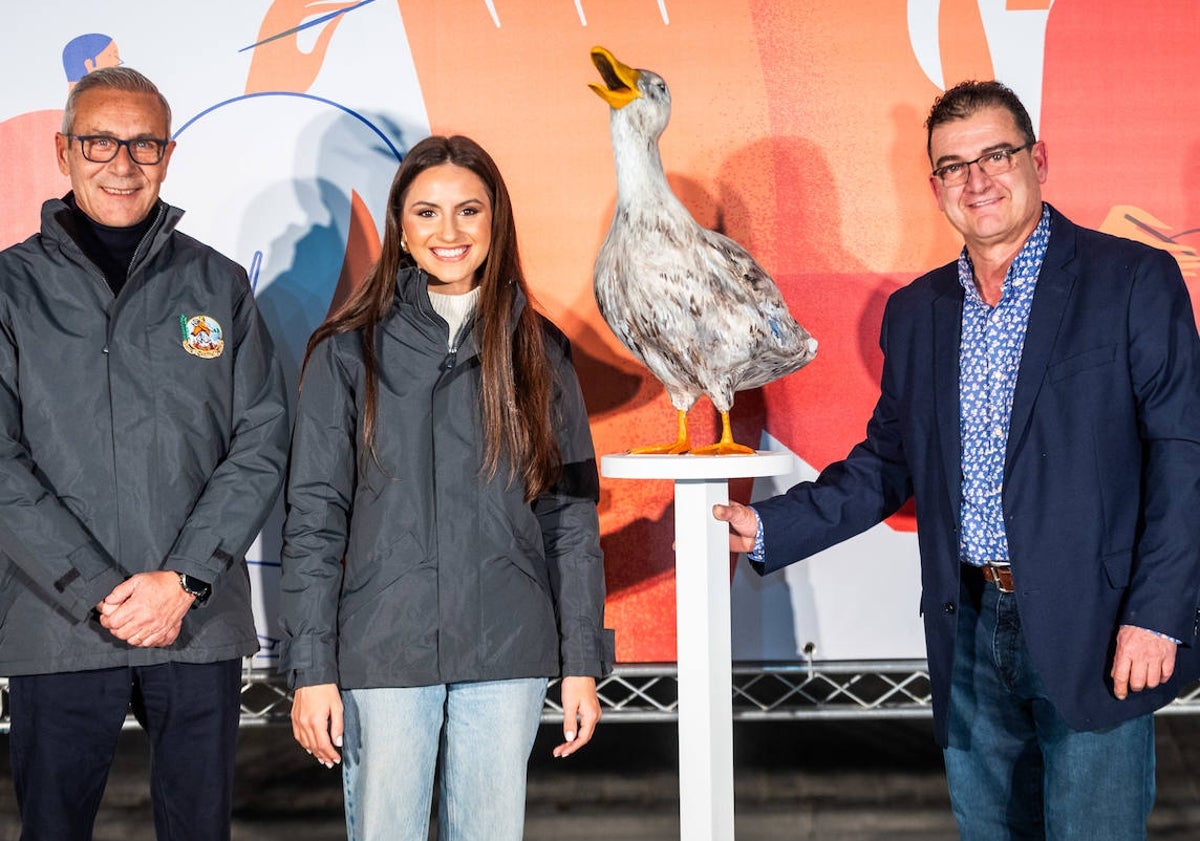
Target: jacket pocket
1073, 365
1118, 566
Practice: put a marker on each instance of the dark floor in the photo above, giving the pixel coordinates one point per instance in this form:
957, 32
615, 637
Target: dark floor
833, 781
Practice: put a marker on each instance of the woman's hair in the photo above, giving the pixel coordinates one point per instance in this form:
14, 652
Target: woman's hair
516, 376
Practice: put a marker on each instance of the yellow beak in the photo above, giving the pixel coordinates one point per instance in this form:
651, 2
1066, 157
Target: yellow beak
620, 80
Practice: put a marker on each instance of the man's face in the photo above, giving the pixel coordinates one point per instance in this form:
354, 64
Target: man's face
119, 193
997, 211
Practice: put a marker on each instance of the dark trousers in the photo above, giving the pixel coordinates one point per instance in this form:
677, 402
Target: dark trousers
63, 735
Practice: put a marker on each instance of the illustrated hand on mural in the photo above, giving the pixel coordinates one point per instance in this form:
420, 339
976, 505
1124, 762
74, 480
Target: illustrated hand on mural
279, 63
1136, 224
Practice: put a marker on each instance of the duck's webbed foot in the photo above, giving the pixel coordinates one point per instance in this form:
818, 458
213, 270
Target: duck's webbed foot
680, 445
726, 446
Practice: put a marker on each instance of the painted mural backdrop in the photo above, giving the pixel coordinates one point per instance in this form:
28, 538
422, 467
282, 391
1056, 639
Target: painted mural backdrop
796, 130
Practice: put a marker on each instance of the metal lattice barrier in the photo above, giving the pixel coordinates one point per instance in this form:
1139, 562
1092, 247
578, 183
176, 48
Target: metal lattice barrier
650, 692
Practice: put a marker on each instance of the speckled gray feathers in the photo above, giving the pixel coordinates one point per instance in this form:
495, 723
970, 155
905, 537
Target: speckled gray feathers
689, 303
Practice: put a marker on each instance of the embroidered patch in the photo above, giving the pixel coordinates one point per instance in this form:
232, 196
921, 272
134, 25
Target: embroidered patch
202, 336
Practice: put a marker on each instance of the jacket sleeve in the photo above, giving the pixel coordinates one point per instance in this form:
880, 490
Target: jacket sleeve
1164, 360
241, 490
571, 534
320, 490
851, 495
38, 532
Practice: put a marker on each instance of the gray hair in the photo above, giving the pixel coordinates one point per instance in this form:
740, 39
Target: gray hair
115, 78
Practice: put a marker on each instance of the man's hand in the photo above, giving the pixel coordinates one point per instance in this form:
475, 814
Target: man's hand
743, 525
317, 721
581, 713
146, 609
1143, 660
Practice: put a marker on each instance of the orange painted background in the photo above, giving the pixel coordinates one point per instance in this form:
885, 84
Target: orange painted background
796, 129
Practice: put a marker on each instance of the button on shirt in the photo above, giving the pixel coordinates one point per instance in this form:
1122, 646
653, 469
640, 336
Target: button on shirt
989, 357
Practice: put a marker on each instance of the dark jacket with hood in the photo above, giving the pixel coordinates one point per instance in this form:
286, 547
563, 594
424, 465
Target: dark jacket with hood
138, 432
447, 576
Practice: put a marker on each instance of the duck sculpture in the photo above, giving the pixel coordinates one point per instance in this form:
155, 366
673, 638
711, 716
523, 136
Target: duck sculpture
691, 304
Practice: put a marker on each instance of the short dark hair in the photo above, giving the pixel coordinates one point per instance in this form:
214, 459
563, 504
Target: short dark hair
115, 78
965, 98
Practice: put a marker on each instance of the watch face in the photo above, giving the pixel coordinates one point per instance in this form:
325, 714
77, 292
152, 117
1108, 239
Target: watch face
195, 586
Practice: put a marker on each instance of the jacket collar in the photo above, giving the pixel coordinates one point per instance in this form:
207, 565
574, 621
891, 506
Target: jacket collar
1054, 285
1045, 319
59, 227
412, 290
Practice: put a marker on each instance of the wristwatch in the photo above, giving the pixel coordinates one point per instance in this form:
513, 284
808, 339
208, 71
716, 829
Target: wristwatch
194, 586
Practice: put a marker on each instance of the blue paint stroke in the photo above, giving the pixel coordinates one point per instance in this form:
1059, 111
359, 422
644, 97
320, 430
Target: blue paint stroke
303, 26
255, 268
396, 152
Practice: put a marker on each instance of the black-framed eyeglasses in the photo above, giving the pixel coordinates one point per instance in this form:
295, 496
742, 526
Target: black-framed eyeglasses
102, 148
997, 162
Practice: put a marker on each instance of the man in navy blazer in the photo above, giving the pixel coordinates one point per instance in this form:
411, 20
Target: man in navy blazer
1040, 400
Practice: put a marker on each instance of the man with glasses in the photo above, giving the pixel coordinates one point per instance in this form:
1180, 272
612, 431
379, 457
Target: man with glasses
1040, 400
143, 434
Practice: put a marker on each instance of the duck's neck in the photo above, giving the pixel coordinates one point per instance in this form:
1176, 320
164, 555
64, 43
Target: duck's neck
638, 163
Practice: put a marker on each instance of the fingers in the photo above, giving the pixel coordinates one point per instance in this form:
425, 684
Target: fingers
1120, 675
743, 525
120, 593
1142, 660
581, 714
317, 722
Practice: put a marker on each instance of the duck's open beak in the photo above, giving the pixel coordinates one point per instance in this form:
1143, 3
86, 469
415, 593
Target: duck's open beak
620, 81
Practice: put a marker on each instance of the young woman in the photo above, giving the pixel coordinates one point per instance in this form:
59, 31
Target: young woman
441, 552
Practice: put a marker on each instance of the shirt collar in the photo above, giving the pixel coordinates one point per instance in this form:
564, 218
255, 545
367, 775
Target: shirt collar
1024, 268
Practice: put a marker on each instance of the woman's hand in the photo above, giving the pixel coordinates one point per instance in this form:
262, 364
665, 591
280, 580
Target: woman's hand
581, 713
317, 721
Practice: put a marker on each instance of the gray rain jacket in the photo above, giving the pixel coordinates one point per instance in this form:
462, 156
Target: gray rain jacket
122, 451
447, 577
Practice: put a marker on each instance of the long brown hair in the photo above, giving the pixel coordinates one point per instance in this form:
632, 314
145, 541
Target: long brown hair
516, 377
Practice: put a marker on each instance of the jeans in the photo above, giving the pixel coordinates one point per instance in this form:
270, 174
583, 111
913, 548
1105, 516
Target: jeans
1015, 769
477, 734
64, 733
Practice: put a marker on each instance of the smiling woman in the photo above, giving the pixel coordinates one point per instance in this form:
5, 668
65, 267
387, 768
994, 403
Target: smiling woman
442, 448
446, 224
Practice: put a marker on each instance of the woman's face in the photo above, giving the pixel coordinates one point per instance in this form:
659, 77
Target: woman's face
446, 225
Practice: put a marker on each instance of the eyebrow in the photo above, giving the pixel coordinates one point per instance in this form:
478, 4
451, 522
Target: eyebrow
424, 203
995, 147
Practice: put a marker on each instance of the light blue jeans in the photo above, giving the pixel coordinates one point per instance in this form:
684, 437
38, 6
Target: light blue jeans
1016, 770
478, 735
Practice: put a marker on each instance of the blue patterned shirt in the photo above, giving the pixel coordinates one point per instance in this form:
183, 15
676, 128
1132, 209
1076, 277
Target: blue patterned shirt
989, 357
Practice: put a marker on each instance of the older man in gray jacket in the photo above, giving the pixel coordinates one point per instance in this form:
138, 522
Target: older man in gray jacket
143, 434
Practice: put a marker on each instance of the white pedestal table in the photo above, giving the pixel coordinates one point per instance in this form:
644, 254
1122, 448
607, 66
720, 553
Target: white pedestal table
702, 625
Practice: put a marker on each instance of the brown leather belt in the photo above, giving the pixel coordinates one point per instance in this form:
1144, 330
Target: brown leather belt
1000, 575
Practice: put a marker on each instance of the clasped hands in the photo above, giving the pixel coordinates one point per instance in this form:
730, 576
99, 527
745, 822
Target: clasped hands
146, 609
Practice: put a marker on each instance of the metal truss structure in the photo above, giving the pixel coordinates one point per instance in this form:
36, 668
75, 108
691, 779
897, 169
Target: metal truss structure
650, 692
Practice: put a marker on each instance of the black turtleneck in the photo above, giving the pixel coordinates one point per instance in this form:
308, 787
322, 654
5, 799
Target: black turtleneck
111, 249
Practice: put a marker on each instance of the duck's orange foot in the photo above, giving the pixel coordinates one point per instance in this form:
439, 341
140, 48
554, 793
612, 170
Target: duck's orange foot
673, 449
723, 448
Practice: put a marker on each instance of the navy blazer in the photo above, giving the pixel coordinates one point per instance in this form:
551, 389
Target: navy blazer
1102, 471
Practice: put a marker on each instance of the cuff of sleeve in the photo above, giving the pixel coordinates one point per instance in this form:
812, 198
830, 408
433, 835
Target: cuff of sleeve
198, 553
598, 661
758, 555
307, 662
88, 582
1156, 633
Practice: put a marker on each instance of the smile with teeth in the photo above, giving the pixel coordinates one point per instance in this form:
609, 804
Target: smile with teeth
115, 191
449, 253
